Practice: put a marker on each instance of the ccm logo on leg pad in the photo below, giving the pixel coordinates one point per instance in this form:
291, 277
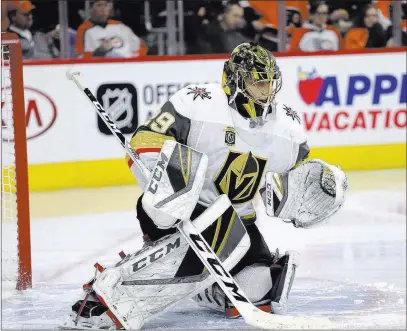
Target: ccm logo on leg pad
154, 256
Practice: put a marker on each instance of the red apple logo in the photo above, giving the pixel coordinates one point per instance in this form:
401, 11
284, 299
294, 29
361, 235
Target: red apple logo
309, 86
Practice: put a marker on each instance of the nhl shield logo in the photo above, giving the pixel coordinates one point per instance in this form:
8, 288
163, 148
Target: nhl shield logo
230, 136
120, 102
117, 103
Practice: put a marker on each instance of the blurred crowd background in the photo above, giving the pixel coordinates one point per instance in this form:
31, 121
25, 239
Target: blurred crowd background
130, 28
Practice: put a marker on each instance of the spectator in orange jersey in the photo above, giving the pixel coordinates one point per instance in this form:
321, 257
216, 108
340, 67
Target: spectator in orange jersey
367, 31
102, 37
316, 35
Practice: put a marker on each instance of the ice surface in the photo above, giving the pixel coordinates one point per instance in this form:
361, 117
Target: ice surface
353, 270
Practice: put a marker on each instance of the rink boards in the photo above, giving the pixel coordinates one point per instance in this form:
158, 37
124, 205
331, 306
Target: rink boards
353, 107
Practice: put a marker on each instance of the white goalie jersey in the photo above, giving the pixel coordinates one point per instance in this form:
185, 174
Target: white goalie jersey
200, 117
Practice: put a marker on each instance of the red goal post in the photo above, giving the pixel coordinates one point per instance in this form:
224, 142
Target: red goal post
15, 216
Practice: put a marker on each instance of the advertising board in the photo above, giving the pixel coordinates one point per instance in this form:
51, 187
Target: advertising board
352, 106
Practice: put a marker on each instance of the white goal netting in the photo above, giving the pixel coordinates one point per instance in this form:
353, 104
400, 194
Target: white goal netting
9, 232
9, 263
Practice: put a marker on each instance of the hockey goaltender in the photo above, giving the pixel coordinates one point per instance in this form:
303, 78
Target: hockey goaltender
210, 149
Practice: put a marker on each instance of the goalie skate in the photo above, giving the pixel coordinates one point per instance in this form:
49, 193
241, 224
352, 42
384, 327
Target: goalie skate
267, 287
93, 316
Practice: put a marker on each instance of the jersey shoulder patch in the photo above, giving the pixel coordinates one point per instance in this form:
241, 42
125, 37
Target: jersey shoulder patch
199, 101
289, 122
291, 113
199, 92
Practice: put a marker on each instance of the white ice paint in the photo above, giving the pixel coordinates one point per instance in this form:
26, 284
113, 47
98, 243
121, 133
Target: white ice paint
353, 270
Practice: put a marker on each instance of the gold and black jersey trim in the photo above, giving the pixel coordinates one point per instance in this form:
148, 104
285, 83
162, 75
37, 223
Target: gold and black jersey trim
303, 153
179, 129
147, 142
146, 139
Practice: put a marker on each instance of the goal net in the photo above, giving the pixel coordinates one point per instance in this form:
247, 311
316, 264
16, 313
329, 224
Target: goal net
15, 225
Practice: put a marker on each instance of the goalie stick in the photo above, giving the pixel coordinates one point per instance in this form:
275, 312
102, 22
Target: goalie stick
251, 314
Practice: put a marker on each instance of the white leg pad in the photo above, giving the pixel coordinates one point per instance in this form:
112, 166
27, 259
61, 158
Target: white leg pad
142, 286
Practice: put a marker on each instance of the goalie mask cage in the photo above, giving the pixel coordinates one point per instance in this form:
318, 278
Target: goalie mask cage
15, 220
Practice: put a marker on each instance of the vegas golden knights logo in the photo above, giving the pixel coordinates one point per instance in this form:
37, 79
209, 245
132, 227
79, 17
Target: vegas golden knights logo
230, 136
240, 176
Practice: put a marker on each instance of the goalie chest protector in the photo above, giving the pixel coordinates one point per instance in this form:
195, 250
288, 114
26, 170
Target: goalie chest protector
202, 119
